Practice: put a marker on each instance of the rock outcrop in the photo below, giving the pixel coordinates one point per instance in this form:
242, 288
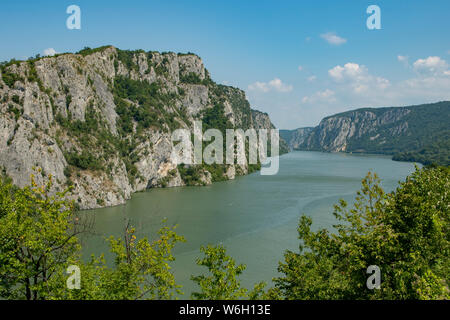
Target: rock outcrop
101, 121
347, 131
295, 138
389, 130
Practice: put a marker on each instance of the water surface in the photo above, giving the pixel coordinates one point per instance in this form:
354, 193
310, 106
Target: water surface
255, 217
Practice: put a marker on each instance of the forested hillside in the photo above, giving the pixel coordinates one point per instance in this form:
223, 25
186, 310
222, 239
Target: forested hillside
415, 133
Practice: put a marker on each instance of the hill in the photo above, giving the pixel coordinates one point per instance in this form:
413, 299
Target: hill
413, 133
101, 120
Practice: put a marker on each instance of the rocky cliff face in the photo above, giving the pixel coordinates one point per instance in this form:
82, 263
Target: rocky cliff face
261, 120
343, 131
296, 138
376, 130
101, 121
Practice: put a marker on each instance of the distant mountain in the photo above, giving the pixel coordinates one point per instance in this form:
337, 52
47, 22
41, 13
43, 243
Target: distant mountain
295, 138
414, 133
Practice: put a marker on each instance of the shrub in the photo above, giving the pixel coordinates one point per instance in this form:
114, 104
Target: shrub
404, 233
10, 78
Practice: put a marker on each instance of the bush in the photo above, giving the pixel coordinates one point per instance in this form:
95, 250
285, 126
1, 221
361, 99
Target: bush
223, 282
151, 110
126, 57
191, 78
10, 78
85, 160
17, 113
40, 241
15, 98
87, 51
404, 233
190, 174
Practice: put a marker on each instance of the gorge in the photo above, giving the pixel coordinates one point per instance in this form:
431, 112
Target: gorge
100, 121
413, 133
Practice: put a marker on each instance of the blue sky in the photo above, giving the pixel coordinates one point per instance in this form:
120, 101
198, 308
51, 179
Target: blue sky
297, 60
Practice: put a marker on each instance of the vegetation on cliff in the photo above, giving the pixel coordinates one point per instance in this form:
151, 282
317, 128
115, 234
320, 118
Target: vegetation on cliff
415, 133
437, 152
104, 116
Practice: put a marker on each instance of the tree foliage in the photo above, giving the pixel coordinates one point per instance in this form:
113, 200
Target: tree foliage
223, 282
140, 270
437, 152
38, 242
37, 234
414, 133
405, 233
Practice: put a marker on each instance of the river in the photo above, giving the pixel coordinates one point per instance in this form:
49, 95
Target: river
255, 217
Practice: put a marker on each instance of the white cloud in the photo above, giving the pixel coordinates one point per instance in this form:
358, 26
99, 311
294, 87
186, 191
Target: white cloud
356, 79
326, 96
403, 59
311, 78
431, 65
356, 86
382, 83
275, 84
259, 86
333, 38
300, 68
350, 71
352, 85
279, 86
336, 73
424, 89
432, 81
49, 52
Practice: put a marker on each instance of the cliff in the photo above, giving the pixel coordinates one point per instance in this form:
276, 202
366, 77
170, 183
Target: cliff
398, 131
101, 121
296, 138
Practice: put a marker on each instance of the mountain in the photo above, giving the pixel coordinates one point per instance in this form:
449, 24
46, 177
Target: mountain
414, 133
101, 120
295, 138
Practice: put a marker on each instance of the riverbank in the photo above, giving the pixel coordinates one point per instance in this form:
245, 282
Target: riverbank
254, 216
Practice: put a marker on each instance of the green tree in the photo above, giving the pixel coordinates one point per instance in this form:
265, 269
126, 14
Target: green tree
223, 282
37, 234
405, 233
38, 241
140, 271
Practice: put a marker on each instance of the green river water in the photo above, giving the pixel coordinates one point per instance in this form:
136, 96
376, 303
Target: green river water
255, 217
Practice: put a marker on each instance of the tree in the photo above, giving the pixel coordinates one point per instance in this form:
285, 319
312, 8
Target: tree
38, 242
223, 283
405, 233
37, 234
140, 271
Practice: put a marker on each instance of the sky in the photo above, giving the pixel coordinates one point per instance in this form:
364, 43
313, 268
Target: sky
299, 61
